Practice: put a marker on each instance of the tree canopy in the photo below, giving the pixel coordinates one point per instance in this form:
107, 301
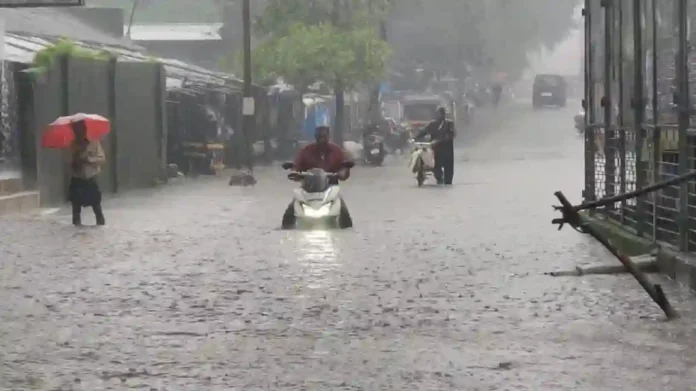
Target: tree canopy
441, 34
308, 54
306, 42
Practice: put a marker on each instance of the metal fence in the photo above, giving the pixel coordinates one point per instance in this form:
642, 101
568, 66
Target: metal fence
640, 99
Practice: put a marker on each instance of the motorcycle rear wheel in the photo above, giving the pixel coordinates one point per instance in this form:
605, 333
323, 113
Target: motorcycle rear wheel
420, 173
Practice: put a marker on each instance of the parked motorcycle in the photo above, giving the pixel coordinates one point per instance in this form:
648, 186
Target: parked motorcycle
373, 150
422, 160
317, 202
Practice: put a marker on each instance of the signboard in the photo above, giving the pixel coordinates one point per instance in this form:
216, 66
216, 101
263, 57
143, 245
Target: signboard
248, 106
40, 3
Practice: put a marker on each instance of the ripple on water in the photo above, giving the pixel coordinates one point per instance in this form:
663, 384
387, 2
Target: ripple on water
317, 255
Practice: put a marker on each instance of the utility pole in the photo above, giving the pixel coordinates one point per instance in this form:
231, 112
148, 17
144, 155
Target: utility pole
131, 17
339, 93
248, 103
374, 109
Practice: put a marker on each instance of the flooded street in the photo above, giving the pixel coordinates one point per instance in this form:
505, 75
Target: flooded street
193, 287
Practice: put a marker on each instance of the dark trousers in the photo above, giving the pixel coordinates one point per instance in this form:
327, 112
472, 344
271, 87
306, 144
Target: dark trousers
444, 166
77, 214
85, 192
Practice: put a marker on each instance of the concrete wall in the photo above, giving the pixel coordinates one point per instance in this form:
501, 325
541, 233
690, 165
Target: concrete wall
139, 138
52, 166
88, 92
130, 94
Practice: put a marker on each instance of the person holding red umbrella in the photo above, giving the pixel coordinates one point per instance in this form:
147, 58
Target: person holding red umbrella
87, 157
80, 134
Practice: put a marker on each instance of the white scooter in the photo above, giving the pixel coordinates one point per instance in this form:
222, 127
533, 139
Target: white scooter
317, 202
422, 160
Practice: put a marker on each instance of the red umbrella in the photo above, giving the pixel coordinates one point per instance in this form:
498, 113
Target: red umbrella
59, 134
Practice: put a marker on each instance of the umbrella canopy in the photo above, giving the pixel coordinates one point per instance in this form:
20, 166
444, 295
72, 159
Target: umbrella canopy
60, 135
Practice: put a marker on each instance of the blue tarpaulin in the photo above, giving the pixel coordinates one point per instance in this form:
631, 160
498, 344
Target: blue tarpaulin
319, 112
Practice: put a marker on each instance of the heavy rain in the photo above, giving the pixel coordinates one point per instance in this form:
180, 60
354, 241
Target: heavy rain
213, 271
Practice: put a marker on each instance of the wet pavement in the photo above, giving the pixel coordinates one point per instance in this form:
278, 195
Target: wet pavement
193, 287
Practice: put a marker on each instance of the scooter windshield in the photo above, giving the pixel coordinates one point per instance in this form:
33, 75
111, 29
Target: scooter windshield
316, 181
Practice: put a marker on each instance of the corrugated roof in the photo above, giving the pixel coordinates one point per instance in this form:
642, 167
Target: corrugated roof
57, 23
27, 31
21, 48
176, 32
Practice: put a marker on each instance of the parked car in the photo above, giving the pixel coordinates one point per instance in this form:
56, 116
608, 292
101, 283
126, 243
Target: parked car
549, 90
419, 110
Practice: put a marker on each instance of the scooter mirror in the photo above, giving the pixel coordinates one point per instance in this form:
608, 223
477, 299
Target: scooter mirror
287, 165
348, 164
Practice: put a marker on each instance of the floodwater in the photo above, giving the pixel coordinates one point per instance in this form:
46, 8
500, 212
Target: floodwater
193, 287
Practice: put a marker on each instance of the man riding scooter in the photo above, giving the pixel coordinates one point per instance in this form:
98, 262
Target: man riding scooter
322, 154
442, 132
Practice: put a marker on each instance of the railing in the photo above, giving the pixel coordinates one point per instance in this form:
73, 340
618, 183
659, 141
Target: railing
640, 98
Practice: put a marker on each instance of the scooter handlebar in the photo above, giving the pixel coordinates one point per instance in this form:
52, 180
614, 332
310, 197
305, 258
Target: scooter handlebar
297, 175
423, 143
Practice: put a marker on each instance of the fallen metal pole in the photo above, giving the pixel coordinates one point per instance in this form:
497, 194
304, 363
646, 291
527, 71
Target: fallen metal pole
645, 267
572, 217
636, 193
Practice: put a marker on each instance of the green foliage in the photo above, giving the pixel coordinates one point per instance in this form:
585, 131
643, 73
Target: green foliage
46, 57
105, 55
280, 15
305, 42
321, 53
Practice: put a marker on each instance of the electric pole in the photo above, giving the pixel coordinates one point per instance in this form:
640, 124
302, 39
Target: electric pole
374, 110
248, 103
339, 93
130, 19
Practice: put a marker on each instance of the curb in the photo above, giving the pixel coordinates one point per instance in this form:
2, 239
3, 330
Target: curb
678, 266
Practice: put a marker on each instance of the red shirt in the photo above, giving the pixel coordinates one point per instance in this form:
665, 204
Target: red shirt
329, 159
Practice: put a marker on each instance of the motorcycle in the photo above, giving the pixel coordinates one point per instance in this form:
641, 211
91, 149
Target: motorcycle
317, 202
422, 160
373, 150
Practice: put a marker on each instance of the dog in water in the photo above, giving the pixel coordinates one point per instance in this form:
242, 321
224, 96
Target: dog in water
242, 178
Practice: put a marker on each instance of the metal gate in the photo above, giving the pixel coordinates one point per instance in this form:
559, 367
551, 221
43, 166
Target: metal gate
640, 64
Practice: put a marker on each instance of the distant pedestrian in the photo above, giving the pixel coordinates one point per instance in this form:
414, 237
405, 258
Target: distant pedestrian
442, 132
87, 157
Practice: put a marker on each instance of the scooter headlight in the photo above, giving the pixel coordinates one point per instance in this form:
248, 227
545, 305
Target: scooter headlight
316, 213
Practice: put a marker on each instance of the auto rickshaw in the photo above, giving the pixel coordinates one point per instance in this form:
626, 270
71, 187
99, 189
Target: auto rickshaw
419, 111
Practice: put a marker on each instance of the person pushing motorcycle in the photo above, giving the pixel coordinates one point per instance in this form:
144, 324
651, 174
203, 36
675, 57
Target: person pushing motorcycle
442, 132
323, 154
